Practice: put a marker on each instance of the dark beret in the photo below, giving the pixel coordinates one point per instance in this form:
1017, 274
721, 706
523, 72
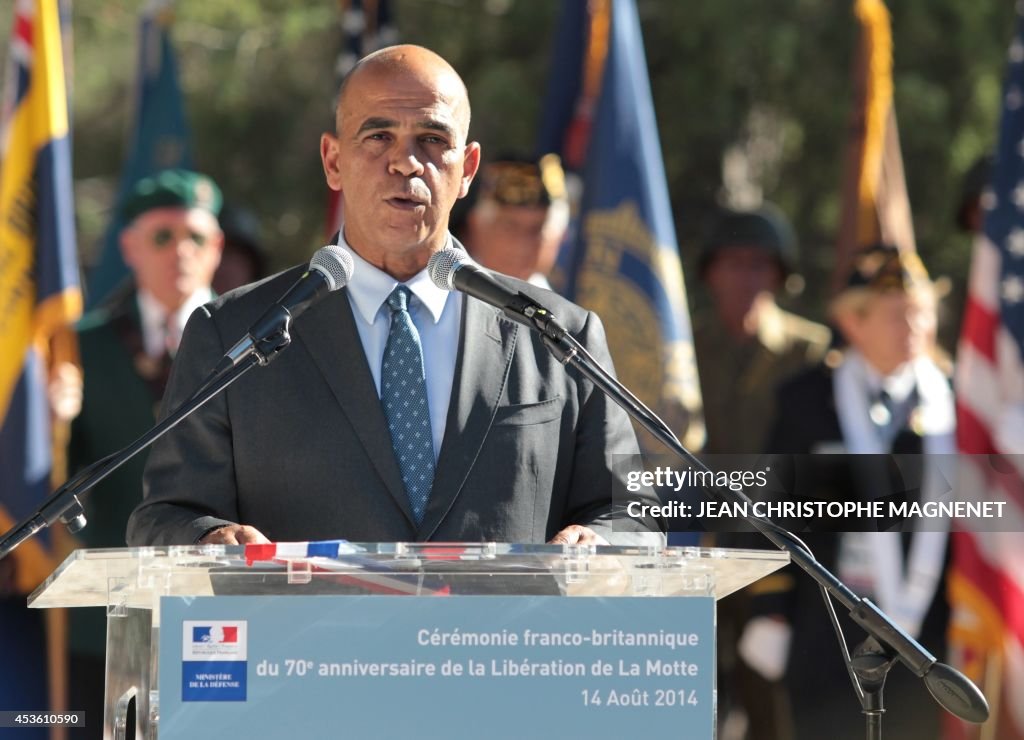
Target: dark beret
172, 189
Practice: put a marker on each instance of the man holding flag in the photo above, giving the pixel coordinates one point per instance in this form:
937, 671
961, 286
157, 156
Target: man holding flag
40, 296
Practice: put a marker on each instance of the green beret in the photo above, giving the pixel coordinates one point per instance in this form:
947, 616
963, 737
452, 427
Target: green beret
172, 189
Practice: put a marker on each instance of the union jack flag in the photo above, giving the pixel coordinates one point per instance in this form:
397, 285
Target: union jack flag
39, 288
39, 300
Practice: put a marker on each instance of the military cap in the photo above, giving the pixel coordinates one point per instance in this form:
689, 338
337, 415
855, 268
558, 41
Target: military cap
882, 268
765, 227
172, 189
522, 182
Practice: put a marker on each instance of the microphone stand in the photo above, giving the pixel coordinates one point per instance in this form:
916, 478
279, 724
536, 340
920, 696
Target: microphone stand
64, 504
886, 641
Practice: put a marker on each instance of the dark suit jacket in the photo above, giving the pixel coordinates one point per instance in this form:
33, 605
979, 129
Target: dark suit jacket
300, 449
806, 415
118, 405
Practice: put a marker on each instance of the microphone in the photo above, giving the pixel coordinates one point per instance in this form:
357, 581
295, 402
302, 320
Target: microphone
453, 269
330, 269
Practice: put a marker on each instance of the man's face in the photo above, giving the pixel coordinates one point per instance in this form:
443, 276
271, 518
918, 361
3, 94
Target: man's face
738, 275
893, 328
173, 252
400, 158
510, 239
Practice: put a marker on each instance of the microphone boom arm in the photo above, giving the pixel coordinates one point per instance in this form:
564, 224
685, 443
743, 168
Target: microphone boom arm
64, 504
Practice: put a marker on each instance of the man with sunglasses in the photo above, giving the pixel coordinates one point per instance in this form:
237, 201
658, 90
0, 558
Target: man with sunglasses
172, 245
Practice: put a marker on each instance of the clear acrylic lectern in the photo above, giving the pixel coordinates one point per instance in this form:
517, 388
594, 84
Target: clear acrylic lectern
131, 583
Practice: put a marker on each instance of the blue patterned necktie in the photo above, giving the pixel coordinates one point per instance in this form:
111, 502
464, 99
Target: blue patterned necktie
403, 393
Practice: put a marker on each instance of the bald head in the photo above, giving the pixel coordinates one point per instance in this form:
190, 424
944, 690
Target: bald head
410, 65
399, 157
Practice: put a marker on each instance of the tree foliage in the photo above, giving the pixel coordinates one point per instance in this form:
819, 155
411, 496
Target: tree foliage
769, 76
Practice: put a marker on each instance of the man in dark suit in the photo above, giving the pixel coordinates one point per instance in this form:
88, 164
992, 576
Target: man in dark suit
508, 445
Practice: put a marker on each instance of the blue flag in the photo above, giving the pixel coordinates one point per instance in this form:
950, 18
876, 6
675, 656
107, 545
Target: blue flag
160, 141
624, 262
568, 101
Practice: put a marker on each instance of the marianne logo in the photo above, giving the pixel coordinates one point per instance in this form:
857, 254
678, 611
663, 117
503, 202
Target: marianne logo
214, 660
214, 640
215, 634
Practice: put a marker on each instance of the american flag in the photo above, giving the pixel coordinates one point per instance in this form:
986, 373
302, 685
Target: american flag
987, 581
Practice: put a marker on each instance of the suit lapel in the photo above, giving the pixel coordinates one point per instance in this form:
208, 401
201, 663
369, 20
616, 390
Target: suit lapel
486, 344
329, 334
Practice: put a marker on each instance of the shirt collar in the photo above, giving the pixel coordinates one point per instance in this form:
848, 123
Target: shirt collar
158, 333
899, 384
370, 287
154, 315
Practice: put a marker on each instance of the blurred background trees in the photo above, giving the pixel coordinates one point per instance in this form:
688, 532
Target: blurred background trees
752, 99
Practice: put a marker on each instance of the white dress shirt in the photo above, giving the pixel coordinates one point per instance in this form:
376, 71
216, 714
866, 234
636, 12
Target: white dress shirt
158, 334
437, 315
899, 384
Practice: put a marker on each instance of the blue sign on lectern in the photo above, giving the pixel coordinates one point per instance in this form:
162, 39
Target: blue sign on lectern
424, 666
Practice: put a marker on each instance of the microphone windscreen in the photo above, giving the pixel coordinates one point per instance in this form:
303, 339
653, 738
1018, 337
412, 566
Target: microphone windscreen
442, 266
954, 691
335, 264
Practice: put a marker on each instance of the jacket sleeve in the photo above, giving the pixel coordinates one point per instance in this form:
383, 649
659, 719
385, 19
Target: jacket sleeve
606, 451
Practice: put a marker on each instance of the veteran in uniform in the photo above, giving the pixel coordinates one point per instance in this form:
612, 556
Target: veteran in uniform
746, 345
172, 245
885, 395
519, 218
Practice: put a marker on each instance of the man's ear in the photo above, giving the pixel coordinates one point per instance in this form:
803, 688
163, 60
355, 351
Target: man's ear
217, 241
330, 155
470, 165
